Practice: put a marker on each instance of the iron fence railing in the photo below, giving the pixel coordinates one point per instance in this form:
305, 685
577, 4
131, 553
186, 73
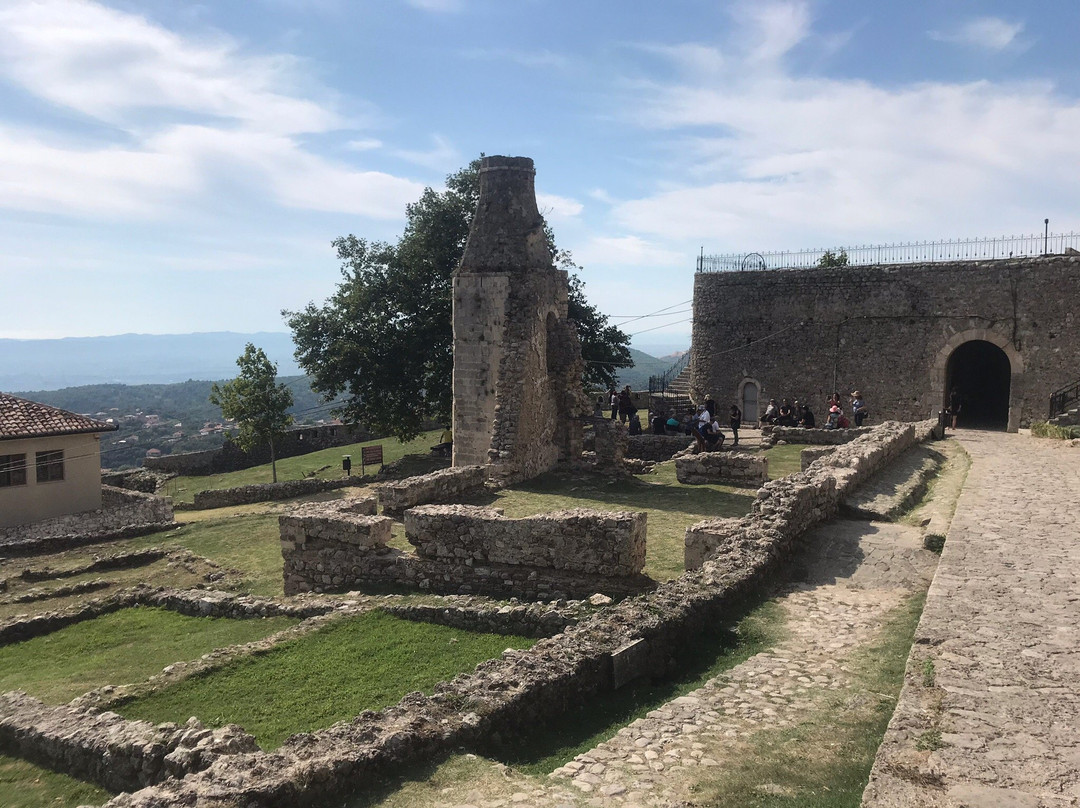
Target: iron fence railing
914, 252
660, 382
1061, 400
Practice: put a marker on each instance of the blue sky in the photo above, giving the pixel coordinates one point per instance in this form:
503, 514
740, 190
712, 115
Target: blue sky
168, 167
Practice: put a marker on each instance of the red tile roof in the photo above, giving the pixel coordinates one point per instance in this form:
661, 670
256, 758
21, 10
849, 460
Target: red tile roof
20, 418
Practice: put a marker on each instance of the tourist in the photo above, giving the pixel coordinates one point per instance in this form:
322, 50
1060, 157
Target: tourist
834, 401
710, 406
735, 421
954, 405
626, 405
806, 417
714, 438
772, 412
701, 427
658, 424
446, 443
858, 408
613, 399
635, 423
787, 416
673, 425
833, 421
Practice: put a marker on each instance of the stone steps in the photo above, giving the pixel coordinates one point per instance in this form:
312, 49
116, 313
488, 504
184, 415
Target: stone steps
887, 495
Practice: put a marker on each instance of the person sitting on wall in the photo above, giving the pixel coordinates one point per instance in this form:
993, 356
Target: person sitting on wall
598, 409
772, 412
446, 443
806, 419
702, 428
858, 408
635, 423
673, 425
833, 421
714, 438
787, 415
658, 424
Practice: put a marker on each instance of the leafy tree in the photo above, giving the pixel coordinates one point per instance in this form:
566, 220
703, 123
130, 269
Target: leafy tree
831, 259
385, 338
256, 402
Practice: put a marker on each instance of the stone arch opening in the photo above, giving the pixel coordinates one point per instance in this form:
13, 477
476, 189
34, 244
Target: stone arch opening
982, 373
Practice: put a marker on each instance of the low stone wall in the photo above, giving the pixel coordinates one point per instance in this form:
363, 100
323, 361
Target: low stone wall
808, 456
796, 503
118, 754
581, 541
656, 448
735, 468
505, 699
465, 550
268, 492
445, 485
521, 619
817, 436
121, 511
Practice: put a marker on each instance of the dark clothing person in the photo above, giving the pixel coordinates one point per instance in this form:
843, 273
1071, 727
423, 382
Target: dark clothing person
658, 425
710, 406
626, 406
714, 438
954, 405
807, 420
635, 424
735, 421
858, 408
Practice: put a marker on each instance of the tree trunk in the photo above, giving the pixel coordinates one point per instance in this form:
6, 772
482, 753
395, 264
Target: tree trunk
273, 459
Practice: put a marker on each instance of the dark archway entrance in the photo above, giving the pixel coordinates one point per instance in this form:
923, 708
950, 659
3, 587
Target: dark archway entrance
980, 370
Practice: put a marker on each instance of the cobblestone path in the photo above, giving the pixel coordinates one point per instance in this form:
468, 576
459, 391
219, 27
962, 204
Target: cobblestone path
852, 575
990, 712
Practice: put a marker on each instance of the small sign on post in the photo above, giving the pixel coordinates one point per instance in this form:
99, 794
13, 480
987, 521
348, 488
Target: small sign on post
370, 455
346, 464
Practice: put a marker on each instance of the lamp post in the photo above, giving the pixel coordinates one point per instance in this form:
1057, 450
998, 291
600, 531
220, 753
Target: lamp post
1046, 236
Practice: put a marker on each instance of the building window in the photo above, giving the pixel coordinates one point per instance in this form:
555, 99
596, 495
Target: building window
12, 470
50, 466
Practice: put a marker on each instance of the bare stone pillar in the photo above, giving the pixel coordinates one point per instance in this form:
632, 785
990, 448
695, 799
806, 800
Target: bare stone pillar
517, 359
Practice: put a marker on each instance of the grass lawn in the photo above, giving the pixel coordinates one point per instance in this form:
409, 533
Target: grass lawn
183, 489
785, 460
364, 663
671, 506
24, 785
826, 761
250, 544
119, 648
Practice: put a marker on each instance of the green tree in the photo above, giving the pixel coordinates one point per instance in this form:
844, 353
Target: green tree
385, 338
831, 259
257, 403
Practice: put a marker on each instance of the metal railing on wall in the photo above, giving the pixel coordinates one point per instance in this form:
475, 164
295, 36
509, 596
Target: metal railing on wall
1063, 399
913, 252
661, 382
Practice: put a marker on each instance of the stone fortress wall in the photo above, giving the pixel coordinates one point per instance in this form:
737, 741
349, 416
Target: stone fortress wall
887, 331
121, 511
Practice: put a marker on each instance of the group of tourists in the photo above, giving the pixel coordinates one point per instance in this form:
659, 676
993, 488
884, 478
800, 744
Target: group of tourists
800, 414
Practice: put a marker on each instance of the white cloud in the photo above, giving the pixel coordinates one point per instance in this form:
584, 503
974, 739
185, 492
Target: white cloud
441, 157
988, 33
364, 144
771, 29
438, 6
762, 158
558, 207
628, 251
185, 114
537, 59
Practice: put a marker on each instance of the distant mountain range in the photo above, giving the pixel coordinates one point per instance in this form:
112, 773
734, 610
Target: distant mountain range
52, 364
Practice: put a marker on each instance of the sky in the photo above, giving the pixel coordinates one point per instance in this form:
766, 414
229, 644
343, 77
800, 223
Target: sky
172, 167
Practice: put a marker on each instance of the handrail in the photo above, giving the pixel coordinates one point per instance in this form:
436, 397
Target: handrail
1061, 399
661, 381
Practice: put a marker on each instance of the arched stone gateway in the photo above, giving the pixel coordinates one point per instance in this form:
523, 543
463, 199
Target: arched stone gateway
985, 368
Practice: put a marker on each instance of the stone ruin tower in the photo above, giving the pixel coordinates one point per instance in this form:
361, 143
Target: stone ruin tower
517, 359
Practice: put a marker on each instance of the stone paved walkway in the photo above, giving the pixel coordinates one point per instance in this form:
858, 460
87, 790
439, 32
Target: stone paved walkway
990, 712
852, 575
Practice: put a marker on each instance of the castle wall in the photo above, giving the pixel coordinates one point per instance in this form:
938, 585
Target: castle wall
887, 331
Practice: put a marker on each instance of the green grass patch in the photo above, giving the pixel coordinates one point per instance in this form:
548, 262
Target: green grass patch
672, 507
183, 489
250, 544
24, 785
785, 460
1044, 429
119, 648
600, 719
824, 762
363, 663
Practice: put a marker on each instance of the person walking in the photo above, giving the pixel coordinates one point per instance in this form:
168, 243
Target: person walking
955, 400
735, 421
613, 399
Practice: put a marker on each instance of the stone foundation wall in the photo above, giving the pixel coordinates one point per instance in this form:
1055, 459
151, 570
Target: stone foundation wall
796, 503
268, 492
735, 468
816, 437
104, 748
808, 456
445, 485
465, 550
120, 510
580, 541
505, 699
656, 448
